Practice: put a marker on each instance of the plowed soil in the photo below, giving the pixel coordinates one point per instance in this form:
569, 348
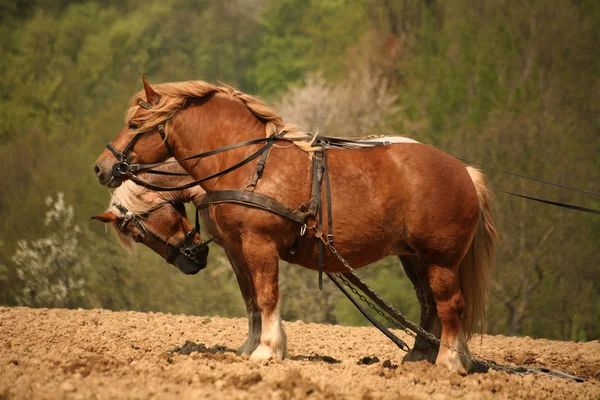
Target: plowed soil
89, 354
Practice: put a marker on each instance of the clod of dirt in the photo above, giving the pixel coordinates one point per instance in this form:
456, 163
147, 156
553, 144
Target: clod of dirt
316, 357
190, 347
368, 360
245, 382
388, 364
295, 386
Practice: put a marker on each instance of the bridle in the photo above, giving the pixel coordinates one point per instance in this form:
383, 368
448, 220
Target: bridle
123, 167
187, 247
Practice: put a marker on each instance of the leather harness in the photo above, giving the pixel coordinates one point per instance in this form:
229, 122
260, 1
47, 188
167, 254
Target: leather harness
312, 210
187, 247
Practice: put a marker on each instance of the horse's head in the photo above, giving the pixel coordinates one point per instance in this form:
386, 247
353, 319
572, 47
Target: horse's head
141, 141
161, 225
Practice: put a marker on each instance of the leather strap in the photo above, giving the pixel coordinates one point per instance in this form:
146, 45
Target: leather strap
141, 167
328, 194
196, 182
258, 173
250, 199
317, 206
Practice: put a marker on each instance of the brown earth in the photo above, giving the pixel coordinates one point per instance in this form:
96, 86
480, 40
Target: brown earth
87, 354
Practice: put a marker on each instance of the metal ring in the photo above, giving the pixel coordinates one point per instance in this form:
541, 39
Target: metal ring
123, 167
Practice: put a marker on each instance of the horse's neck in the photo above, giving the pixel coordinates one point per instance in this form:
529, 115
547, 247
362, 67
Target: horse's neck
211, 125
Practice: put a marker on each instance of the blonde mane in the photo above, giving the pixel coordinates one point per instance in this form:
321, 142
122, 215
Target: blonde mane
131, 197
134, 198
174, 96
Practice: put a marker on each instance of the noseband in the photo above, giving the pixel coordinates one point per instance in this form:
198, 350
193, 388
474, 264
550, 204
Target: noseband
187, 247
123, 167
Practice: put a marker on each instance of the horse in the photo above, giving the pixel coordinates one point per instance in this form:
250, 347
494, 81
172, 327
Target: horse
159, 221
408, 199
171, 224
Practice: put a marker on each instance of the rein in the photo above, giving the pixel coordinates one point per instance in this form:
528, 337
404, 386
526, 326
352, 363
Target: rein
138, 167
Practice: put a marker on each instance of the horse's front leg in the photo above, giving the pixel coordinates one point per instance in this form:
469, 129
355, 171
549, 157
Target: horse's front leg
244, 278
263, 261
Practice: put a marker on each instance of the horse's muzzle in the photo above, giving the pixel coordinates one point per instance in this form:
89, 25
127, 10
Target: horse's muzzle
189, 266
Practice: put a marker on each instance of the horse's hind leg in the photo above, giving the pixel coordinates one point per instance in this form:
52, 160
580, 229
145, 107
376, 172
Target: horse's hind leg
417, 273
246, 284
263, 262
450, 306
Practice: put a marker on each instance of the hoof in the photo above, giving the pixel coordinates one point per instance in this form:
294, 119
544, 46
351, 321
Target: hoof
455, 363
262, 353
413, 356
247, 348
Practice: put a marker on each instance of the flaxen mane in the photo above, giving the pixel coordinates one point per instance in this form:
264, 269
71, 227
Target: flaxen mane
173, 97
130, 196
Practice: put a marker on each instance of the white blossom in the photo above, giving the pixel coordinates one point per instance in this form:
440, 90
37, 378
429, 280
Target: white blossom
52, 268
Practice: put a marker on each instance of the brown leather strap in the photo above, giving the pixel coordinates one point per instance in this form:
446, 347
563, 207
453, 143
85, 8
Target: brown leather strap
258, 173
315, 203
250, 199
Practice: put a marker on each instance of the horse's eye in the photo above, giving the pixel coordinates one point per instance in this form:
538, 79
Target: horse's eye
133, 126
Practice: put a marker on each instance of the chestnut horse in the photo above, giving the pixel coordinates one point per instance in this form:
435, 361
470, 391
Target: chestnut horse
158, 220
406, 199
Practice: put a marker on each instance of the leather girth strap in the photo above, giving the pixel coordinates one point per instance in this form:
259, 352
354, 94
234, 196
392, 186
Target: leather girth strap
314, 208
250, 199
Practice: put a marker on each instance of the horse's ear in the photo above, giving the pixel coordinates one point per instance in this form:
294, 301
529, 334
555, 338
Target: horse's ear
151, 96
106, 217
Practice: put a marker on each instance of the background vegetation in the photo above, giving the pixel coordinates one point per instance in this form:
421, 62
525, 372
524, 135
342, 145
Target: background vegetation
515, 84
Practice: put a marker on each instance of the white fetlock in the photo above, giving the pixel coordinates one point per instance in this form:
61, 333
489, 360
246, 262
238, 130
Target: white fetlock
454, 362
261, 353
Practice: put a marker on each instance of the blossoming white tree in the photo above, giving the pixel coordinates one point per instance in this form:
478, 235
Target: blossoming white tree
52, 268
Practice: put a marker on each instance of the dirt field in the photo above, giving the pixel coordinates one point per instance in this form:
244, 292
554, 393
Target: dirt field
88, 354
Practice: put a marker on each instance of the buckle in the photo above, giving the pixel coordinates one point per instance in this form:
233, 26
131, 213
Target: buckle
302, 229
145, 104
330, 238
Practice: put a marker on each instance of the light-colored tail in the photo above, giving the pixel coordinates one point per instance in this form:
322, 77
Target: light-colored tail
475, 269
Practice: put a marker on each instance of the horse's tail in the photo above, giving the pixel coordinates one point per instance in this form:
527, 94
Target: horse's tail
476, 267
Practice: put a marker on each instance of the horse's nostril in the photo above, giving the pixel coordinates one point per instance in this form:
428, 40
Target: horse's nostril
96, 169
